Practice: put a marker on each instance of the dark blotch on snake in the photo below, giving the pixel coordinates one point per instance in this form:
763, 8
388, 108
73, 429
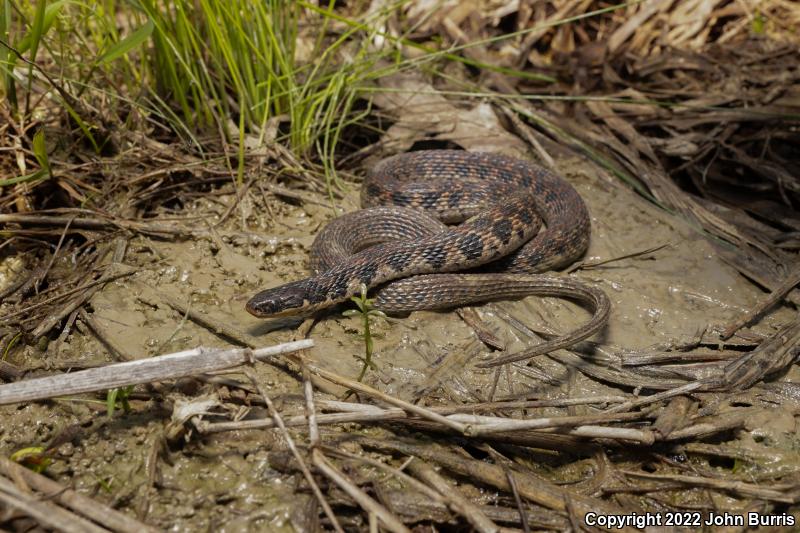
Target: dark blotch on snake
481, 223
454, 198
428, 202
502, 230
372, 190
399, 198
437, 257
525, 216
367, 273
316, 293
338, 289
471, 246
399, 260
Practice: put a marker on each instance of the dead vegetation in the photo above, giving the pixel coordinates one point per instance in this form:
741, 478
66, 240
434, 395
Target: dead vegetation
695, 105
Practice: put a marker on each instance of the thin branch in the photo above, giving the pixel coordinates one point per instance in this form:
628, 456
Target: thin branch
453, 496
366, 389
775, 296
97, 511
290, 442
172, 366
362, 498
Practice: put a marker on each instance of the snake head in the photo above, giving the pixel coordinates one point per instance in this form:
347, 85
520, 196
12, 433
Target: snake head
285, 300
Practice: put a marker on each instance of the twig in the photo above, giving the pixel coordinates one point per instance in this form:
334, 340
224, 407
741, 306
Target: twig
362, 498
93, 223
774, 353
106, 277
423, 488
406, 504
311, 411
722, 422
175, 365
777, 494
499, 405
290, 443
219, 328
470, 317
482, 425
639, 253
68, 98
53, 256
300, 420
100, 513
152, 229
454, 498
523, 516
677, 391
44, 512
295, 194
366, 413
527, 132
782, 290
366, 389
601, 432
100, 334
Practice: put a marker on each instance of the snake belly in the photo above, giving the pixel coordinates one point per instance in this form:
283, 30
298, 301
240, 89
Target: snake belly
501, 201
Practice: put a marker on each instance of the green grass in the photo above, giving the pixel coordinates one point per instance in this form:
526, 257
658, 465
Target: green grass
196, 66
230, 68
118, 398
234, 66
36, 458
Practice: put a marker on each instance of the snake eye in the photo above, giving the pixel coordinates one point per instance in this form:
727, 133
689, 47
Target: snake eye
279, 301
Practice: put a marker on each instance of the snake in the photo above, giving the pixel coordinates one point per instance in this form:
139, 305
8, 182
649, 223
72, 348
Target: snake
446, 228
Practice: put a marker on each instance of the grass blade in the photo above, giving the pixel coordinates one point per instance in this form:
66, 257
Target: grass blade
36, 35
41, 173
7, 60
128, 43
50, 13
40, 151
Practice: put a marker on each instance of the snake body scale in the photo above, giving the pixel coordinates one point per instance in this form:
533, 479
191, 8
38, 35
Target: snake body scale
500, 202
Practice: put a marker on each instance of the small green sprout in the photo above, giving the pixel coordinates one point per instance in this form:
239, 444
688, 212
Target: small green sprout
759, 23
34, 458
367, 312
105, 485
40, 152
118, 395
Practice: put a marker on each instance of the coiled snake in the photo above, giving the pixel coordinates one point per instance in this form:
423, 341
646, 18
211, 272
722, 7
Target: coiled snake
501, 201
